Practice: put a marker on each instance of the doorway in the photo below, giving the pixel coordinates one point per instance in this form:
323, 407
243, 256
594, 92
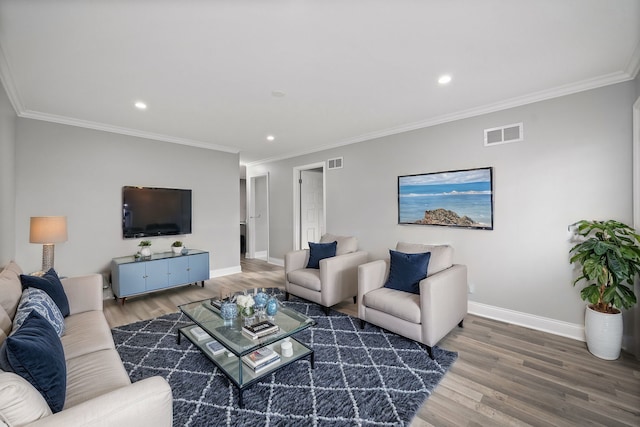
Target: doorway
309, 201
258, 221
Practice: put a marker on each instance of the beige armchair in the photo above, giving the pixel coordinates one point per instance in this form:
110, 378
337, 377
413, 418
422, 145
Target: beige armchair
335, 280
427, 317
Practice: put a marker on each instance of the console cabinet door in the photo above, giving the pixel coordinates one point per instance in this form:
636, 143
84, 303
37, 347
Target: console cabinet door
198, 267
157, 276
129, 279
178, 270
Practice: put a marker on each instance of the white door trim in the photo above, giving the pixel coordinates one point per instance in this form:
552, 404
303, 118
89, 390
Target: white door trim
296, 200
251, 210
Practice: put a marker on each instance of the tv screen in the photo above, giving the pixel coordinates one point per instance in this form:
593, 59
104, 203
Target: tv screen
148, 211
462, 198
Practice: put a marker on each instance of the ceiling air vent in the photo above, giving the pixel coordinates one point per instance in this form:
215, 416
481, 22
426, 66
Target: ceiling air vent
503, 134
335, 163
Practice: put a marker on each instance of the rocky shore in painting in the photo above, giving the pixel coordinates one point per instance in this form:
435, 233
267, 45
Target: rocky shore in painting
446, 217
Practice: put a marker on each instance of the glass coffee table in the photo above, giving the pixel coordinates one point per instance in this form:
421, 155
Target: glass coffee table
238, 344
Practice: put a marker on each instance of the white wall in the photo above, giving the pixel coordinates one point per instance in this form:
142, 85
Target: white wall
7, 179
65, 170
575, 163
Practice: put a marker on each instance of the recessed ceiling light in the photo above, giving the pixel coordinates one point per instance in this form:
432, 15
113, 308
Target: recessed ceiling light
277, 93
141, 105
444, 79
270, 138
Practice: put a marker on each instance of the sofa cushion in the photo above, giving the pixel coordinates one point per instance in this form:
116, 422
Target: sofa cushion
441, 255
87, 332
5, 325
50, 283
402, 305
40, 301
306, 277
35, 353
407, 270
20, 402
320, 251
10, 288
93, 375
346, 244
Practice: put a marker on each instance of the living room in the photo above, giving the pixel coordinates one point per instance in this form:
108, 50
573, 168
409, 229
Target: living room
575, 162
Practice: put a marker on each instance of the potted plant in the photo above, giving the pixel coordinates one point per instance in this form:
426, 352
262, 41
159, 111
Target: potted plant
176, 247
609, 254
145, 246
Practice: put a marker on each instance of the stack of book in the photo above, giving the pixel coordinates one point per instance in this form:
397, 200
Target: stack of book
199, 333
261, 359
260, 329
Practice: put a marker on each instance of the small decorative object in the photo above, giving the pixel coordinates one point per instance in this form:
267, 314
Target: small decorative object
177, 247
246, 306
228, 311
260, 299
609, 254
184, 251
287, 349
272, 307
145, 246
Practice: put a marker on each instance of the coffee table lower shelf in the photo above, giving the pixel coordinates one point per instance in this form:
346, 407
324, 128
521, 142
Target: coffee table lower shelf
241, 375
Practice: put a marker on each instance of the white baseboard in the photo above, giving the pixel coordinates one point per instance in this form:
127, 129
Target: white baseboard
276, 261
531, 321
225, 271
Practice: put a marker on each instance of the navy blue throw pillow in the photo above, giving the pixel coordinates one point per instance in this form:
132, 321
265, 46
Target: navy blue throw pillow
318, 251
35, 353
50, 283
407, 270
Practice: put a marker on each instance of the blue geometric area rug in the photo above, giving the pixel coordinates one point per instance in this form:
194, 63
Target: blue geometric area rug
362, 377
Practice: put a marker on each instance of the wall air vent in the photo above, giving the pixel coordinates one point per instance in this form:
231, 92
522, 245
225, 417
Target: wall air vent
334, 163
503, 134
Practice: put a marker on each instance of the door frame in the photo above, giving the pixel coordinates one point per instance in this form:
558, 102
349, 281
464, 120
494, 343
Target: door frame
297, 198
251, 213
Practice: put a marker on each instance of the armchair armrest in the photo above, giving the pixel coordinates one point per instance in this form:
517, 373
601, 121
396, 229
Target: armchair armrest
339, 276
443, 301
83, 292
148, 402
295, 260
371, 275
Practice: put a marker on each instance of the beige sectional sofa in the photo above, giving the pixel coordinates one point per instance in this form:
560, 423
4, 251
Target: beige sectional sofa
98, 389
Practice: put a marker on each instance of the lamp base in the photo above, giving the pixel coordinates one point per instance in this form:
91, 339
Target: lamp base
47, 256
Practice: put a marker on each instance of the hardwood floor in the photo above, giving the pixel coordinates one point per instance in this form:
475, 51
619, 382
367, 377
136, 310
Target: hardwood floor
505, 375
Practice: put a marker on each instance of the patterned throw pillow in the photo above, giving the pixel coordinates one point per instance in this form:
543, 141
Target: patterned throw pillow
40, 301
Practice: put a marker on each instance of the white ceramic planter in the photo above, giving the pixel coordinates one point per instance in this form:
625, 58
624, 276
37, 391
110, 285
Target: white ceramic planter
145, 251
604, 333
177, 249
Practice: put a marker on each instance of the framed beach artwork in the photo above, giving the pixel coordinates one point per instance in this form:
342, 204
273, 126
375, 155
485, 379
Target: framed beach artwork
462, 198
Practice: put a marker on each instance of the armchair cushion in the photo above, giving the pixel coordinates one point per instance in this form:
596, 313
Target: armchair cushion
403, 305
307, 278
318, 251
441, 255
407, 270
346, 244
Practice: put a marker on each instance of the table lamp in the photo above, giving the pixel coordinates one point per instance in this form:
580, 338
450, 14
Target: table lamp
48, 230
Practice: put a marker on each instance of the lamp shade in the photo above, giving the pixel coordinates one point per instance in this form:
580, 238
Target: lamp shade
48, 229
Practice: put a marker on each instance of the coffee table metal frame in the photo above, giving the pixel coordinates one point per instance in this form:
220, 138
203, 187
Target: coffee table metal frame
238, 344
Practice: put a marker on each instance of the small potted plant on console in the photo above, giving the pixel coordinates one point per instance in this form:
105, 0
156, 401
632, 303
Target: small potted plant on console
145, 248
176, 247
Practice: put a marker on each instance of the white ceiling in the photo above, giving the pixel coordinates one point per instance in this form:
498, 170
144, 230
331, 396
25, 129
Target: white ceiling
350, 70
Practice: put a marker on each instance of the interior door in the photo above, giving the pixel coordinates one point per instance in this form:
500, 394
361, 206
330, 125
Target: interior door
311, 206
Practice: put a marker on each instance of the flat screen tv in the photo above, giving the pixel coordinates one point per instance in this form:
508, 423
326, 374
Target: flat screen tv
148, 211
462, 198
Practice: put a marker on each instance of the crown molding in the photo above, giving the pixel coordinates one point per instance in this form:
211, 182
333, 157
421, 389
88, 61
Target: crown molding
7, 82
633, 67
557, 92
124, 131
